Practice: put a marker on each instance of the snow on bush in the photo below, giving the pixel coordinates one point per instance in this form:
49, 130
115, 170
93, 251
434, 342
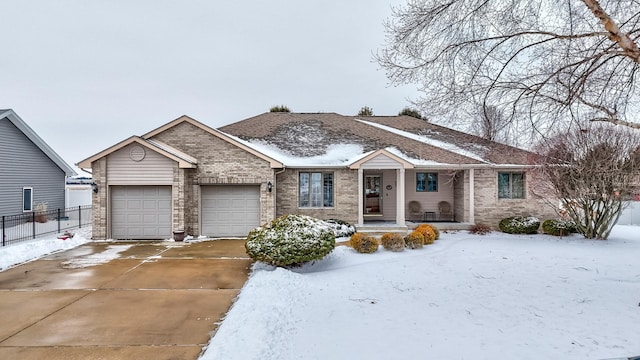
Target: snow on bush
341, 228
291, 240
520, 225
558, 227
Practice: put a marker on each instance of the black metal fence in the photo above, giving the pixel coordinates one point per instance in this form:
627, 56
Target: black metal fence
28, 226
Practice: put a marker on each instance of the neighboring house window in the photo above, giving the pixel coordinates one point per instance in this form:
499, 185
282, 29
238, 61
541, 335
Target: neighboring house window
316, 189
510, 185
427, 181
27, 199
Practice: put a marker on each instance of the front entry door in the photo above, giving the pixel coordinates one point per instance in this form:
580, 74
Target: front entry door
372, 198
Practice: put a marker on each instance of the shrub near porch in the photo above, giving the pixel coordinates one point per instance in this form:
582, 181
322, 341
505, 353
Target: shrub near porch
291, 240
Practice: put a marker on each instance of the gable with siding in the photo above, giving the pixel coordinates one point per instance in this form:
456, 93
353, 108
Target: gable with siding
27, 162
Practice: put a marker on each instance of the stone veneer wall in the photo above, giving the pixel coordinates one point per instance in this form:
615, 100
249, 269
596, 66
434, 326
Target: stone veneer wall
219, 162
490, 210
345, 188
99, 200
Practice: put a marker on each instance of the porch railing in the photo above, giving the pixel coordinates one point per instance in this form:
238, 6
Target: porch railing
28, 226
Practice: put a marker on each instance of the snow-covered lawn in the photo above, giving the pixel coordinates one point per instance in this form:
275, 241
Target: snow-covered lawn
495, 296
33, 249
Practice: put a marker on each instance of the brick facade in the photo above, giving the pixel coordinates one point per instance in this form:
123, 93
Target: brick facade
99, 200
490, 210
345, 185
221, 162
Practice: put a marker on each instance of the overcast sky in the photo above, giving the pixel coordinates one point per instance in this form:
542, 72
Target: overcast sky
88, 74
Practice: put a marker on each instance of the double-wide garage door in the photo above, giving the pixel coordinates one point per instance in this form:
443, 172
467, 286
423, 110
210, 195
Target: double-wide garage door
230, 210
140, 212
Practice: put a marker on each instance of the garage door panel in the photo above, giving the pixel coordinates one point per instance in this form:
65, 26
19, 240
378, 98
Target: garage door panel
230, 210
140, 212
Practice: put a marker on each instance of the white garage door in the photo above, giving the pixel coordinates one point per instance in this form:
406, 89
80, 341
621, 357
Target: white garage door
230, 210
140, 212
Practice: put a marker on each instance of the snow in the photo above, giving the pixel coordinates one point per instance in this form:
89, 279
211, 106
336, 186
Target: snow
13, 255
429, 141
494, 296
336, 155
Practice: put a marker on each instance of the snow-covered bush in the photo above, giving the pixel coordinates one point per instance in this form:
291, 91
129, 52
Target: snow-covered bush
392, 242
558, 227
291, 240
341, 227
363, 243
427, 231
414, 240
520, 225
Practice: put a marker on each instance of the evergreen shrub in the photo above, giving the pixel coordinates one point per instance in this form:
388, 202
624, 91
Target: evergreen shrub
291, 240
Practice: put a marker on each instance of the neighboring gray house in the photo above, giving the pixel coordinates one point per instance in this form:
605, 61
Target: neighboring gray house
30, 171
397, 170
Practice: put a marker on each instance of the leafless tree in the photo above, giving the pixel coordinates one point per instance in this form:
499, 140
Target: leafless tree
492, 125
593, 172
545, 62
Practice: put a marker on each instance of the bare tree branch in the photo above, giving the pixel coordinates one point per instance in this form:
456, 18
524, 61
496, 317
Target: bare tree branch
542, 63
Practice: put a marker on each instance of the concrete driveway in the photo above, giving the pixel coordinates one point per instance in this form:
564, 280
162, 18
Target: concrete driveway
156, 300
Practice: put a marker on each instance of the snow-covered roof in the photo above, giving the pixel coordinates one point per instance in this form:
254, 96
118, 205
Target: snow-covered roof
334, 140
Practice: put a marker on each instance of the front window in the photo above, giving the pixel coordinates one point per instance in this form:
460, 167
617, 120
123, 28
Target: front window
510, 185
316, 189
27, 199
426, 182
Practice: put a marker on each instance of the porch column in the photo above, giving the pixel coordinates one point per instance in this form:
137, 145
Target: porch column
360, 196
400, 196
472, 186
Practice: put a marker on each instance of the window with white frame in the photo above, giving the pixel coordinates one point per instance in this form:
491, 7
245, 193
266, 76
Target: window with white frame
315, 189
427, 181
27, 199
511, 185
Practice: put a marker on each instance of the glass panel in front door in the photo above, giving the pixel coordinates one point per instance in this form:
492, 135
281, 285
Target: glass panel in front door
372, 198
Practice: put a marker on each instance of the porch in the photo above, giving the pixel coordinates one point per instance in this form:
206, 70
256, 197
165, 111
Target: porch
379, 227
394, 194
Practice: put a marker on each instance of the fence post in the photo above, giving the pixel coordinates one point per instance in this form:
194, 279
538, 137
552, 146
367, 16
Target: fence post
58, 220
33, 221
4, 234
79, 217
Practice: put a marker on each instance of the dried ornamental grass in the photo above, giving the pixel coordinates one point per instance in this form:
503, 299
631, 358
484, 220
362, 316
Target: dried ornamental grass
480, 229
414, 240
427, 231
363, 243
392, 242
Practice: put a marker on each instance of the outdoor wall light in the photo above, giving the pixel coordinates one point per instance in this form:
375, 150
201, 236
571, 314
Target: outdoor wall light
269, 186
94, 187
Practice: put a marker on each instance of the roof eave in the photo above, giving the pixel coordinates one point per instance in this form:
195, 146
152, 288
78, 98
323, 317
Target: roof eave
273, 163
182, 163
37, 140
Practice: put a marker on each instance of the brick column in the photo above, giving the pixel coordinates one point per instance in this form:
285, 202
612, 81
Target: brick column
100, 199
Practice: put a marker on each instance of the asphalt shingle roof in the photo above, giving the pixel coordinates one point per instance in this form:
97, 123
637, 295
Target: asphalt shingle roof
310, 134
